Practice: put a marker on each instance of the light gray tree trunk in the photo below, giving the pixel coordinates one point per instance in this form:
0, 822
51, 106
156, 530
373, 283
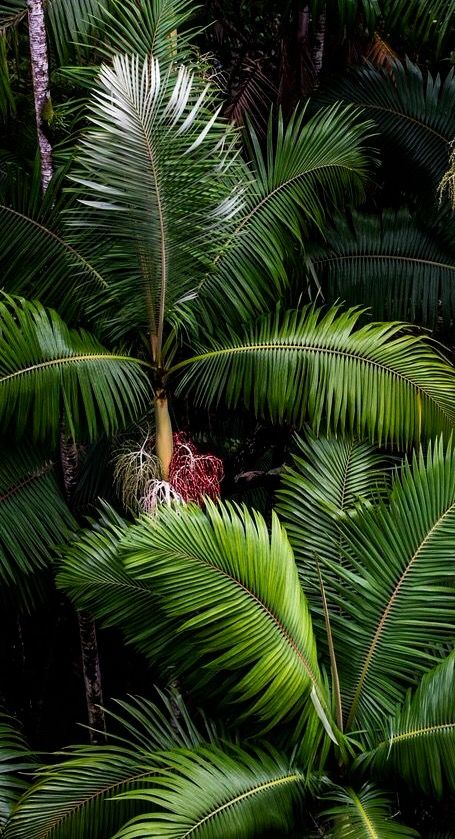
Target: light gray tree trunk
318, 49
40, 76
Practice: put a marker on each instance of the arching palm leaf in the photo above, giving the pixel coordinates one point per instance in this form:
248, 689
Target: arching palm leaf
416, 116
394, 264
366, 814
33, 516
214, 793
418, 741
48, 372
233, 590
402, 561
79, 795
422, 20
378, 380
15, 759
156, 144
329, 478
307, 170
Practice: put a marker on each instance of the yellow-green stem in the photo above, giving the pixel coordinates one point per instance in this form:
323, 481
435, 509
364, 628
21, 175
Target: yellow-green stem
164, 444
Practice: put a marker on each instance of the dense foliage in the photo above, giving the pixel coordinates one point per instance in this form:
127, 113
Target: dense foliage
233, 221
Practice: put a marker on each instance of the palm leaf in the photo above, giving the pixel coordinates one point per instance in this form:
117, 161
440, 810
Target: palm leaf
418, 742
414, 114
366, 814
14, 760
378, 380
330, 477
233, 591
36, 259
392, 263
33, 515
11, 13
48, 371
156, 143
78, 796
401, 559
93, 575
308, 169
212, 792
71, 22
422, 20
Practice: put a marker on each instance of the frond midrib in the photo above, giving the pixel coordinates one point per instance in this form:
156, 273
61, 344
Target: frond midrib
26, 480
364, 815
322, 260
424, 731
72, 359
286, 779
383, 620
404, 116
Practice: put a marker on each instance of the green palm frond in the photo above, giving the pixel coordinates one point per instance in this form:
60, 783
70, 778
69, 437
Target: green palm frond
15, 761
49, 372
34, 517
379, 380
93, 575
78, 796
367, 814
12, 12
329, 478
423, 21
307, 170
398, 591
212, 793
391, 262
233, 591
36, 260
156, 143
414, 114
417, 744
71, 22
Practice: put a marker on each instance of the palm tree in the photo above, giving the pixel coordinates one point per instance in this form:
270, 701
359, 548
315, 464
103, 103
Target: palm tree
329, 671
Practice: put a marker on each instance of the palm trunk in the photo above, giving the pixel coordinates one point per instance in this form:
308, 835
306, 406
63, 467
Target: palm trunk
40, 76
87, 630
164, 444
318, 49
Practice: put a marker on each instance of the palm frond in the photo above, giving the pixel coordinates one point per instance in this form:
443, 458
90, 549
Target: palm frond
400, 561
15, 759
36, 259
93, 575
379, 380
212, 792
417, 743
34, 517
329, 478
422, 20
308, 169
79, 795
233, 591
12, 12
156, 142
366, 814
49, 372
392, 263
415, 115
71, 22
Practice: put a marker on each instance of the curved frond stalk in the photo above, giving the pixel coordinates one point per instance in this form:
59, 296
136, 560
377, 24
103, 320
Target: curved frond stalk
309, 168
34, 517
418, 741
378, 380
232, 590
79, 795
414, 114
367, 814
212, 792
393, 263
47, 370
15, 761
402, 560
156, 141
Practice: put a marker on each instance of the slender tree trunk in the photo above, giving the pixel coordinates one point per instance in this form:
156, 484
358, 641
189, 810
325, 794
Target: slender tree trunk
40, 76
69, 457
318, 48
164, 444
